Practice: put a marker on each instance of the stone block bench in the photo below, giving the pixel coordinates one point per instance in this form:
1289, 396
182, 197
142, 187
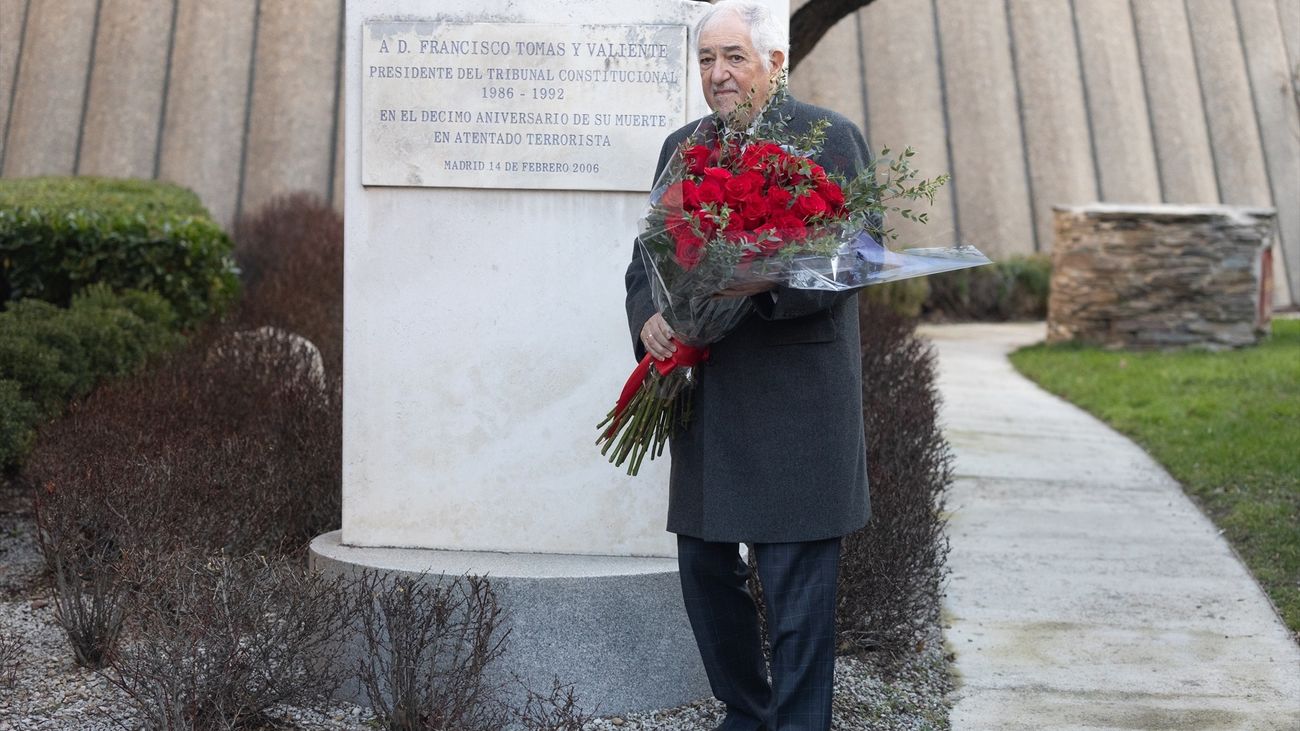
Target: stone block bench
1160, 276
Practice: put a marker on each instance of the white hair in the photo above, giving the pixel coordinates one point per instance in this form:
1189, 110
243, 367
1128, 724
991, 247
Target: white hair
766, 33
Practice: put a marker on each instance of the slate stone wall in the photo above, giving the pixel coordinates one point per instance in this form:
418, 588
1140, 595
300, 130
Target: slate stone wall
1158, 276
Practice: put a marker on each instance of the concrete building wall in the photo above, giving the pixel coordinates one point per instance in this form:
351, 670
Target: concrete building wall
833, 77
1117, 103
204, 139
1288, 16
13, 15
984, 131
1028, 103
1234, 130
1278, 115
340, 119
45, 123
908, 108
294, 95
127, 83
1177, 108
1053, 108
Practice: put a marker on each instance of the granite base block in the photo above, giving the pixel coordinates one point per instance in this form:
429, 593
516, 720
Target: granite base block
614, 626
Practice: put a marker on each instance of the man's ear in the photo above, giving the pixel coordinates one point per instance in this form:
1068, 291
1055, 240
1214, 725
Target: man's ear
778, 61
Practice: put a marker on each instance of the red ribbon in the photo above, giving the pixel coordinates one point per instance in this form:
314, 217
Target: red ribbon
685, 356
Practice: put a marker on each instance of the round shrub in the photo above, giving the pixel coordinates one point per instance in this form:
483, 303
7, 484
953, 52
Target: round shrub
37, 367
50, 355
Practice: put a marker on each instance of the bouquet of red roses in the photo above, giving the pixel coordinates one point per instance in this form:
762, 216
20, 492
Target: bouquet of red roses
725, 213
763, 202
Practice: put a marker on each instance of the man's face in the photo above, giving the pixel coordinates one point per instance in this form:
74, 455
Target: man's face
732, 71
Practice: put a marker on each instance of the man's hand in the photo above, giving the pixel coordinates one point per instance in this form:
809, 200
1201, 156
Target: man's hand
657, 337
746, 290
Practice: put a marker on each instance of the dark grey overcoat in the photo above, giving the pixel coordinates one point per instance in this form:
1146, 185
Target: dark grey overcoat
775, 449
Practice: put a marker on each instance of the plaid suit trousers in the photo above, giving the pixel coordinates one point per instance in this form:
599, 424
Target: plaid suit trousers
799, 582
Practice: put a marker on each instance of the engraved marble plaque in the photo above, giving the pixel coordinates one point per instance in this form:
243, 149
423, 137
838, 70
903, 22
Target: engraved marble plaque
518, 105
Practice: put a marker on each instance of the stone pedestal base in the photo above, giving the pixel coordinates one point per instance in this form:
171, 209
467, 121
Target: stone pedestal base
612, 625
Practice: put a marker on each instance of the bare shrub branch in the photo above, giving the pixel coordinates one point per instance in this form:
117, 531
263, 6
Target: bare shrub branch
10, 652
290, 252
212, 451
80, 538
427, 644
218, 642
558, 711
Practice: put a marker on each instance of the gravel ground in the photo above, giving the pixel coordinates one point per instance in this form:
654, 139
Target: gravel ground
20, 560
52, 692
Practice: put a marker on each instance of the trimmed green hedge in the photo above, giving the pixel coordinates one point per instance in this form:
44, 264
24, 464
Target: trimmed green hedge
50, 355
60, 235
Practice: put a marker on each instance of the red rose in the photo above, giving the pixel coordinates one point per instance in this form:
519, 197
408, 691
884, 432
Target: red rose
793, 177
744, 239
697, 158
833, 195
732, 151
756, 156
707, 225
690, 195
778, 198
678, 226
811, 204
787, 225
742, 187
689, 251
689, 246
673, 196
710, 191
770, 246
755, 211
697, 226
721, 175
735, 221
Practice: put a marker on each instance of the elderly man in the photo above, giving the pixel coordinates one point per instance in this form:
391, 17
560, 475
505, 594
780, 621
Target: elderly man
774, 455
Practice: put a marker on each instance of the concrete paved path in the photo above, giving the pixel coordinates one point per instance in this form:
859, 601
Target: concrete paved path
1087, 591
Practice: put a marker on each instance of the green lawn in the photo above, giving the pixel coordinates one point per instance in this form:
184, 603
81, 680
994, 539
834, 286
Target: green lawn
1226, 425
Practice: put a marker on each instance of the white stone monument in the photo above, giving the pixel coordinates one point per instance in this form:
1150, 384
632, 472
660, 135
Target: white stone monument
498, 157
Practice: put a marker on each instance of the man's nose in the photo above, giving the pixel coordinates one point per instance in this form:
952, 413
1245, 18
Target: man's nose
718, 74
